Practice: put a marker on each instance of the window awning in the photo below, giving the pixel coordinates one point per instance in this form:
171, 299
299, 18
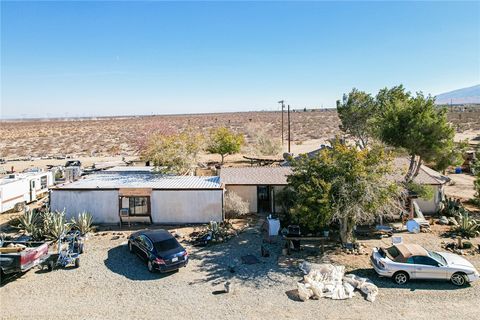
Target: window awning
135, 192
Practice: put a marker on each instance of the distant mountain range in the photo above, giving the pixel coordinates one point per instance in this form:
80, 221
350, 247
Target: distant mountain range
468, 95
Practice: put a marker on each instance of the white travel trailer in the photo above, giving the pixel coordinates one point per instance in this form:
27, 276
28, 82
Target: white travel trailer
18, 189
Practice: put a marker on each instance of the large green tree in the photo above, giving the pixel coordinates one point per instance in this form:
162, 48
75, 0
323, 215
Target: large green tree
356, 112
224, 142
414, 123
451, 155
344, 184
476, 172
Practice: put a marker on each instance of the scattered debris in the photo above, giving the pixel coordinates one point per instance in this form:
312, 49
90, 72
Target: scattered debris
229, 287
216, 232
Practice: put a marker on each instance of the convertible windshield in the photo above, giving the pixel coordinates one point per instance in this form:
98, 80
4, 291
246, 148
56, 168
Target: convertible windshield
437, 257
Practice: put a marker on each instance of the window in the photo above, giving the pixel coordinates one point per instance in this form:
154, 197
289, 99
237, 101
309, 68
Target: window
43, 182
147, 243
166, 245
437, 257
138, 205
425, 261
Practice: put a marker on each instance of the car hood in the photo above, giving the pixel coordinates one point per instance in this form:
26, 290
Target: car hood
454, 260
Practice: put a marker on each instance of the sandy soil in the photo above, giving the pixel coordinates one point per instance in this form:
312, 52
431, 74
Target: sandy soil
112, 284
461, 186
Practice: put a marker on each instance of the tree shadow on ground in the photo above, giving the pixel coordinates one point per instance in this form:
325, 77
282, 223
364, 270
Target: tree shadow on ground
129, 265
412, 285
223, 262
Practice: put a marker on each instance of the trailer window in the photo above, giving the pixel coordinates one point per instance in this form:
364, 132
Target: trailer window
43, 182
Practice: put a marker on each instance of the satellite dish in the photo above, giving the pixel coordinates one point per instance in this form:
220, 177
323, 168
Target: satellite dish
413, 226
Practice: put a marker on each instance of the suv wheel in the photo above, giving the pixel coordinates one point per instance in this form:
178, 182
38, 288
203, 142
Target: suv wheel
400, 277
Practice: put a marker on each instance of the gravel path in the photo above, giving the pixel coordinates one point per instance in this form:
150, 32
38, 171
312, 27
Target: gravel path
112, 284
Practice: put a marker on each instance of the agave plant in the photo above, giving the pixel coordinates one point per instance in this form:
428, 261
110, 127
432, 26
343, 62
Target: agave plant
54, 225
29, 223
451, 207
467, 227
83, 223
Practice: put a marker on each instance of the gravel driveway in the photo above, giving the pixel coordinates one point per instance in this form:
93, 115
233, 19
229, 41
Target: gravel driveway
112, 284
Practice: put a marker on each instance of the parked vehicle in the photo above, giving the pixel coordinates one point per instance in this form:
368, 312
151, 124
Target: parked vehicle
403, 262
18, 189
20, 256
67, 255
159, 249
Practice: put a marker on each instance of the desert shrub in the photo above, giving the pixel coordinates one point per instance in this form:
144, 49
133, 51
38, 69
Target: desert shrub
451, 207
474, 201
422, 191
467, 227
29, 223
83, 223
234, 205
54, 225
262, 143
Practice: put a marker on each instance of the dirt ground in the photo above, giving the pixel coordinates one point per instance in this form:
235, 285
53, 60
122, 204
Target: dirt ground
124, 136
461, 186
112, 284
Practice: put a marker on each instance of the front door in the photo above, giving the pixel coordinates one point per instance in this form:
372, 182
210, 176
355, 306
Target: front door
33, 191
263, 199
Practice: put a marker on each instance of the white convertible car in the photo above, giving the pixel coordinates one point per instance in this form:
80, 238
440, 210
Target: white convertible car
403, 262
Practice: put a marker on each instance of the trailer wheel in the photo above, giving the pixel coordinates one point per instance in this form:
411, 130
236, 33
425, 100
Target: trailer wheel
50, 265
81, 248
77, 263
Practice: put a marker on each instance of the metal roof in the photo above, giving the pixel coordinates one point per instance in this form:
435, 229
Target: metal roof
20, 176
130, 169
117, 180
425, 175
255, 175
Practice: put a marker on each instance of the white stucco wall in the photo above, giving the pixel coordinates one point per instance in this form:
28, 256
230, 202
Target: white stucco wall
186, 206
102, 204
247, 193
431, 206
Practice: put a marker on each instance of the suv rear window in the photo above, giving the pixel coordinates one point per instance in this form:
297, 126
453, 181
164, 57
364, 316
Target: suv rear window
166, 245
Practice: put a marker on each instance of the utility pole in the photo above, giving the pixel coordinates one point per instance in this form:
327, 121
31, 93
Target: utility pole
283, 107
288, 119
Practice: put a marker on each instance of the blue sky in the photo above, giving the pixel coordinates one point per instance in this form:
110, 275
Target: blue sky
118, 58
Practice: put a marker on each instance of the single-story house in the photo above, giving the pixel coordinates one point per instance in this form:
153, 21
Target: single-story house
427, 177
256, 185
135, 195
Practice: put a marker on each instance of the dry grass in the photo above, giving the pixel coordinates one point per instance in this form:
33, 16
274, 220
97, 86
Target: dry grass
123, 136
114, 136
